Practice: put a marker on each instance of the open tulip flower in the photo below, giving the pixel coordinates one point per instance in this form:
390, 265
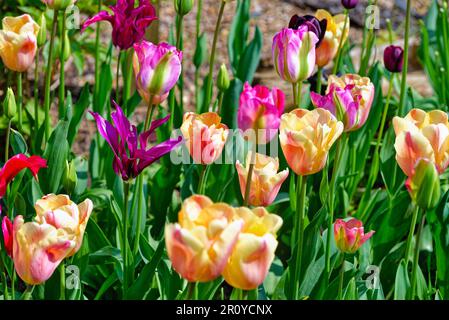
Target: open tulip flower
157, 69
205, 136
349, 98
200, 244
253, 254
131, 152
128, 22
62, 213
422, 135
18, 42
350, 235
313, 24
335, 30
294, 53
265, 180
260, 109
306, 138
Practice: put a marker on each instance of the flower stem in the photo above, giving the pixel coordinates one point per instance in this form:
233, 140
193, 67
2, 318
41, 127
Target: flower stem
36, 95
117, 78
8, 133
198, 18
150, 113
249, 179
191, 291
27, 294
126, 186
319, 80
405, 66
62, 281
220, 101
202, 179
61, 112
342, 278
416, 256
209, 88
179, 40
408, 247
340, 44
97, 57
48, 76
19, 99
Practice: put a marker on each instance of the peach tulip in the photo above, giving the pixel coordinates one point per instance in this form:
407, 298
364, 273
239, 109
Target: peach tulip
306, 138
205, 136
350, 235
62, 213
265, 181
18, 42
200, 244
254, 252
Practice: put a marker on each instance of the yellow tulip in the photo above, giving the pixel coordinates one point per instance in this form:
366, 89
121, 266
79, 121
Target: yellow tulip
253, 254
18, 42
306, 138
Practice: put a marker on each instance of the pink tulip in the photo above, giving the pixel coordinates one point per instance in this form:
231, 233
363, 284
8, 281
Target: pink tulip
350, 235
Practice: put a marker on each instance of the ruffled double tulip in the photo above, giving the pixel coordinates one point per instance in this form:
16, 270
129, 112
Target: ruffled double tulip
265, 180
128, 22
306, 138
157, 69
200, 244
58, 4
205, 136
421, 135
313, 24
349, 98
16, 164
350, 235
260, 110
294, 53
18, 42
131, 152
335, 30
253, 254
62, 213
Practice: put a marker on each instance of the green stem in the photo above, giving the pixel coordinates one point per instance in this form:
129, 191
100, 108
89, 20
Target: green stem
408, 247
127, 76
27, 294
220, 101
179, 41
8, 133
340, 44
117, 78
212, 57
5, 283
62, 68
342, 278
36, 95
191, 291
416, 256
19, 99
198, 18
202, 181
295, 94
126, 186
405, 66
62, 281
319, 80
48, 72
97, 57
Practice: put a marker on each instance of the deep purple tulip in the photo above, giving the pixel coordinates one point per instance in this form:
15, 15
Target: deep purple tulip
128, 23
131, 155
313, 24
394, 58
349, 4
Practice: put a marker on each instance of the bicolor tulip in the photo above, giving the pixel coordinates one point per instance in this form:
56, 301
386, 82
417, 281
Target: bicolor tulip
313, 24
38, 249
265, 180
306, 138
128, 22
349, 98
335, 30
294, 53
62, 213
421, 135
16, 164
350, 235
394, 58
18, 42
253, 254
200, 244
131, 152
205, 136
260, 110
157, 69
58, 4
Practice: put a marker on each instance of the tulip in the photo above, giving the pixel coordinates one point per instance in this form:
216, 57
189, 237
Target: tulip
306, 138
424, 185
349, 98
260, 110
60, 212
313, 24
394, 59
18, 42
7, 229
128, 22
265, 181
223, 81
335, 30
253, 254
16, 164
421, 135
200, 245
349, 4
38, 249
131, 155
58, 4
205, 136
9, 104
183, 7
157, 69
294, 53
349, 235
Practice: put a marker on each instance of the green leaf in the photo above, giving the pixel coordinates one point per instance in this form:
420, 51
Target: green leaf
80, 107
250, 58
402, 282
17, 142
238, 35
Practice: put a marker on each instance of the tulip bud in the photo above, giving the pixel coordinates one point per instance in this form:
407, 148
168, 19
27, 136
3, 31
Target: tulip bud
9, 104
69, 179
349, 4
424, 185
183, 7
42, 35
58, 4
394, 58
201, 51
223, 81
67, 49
